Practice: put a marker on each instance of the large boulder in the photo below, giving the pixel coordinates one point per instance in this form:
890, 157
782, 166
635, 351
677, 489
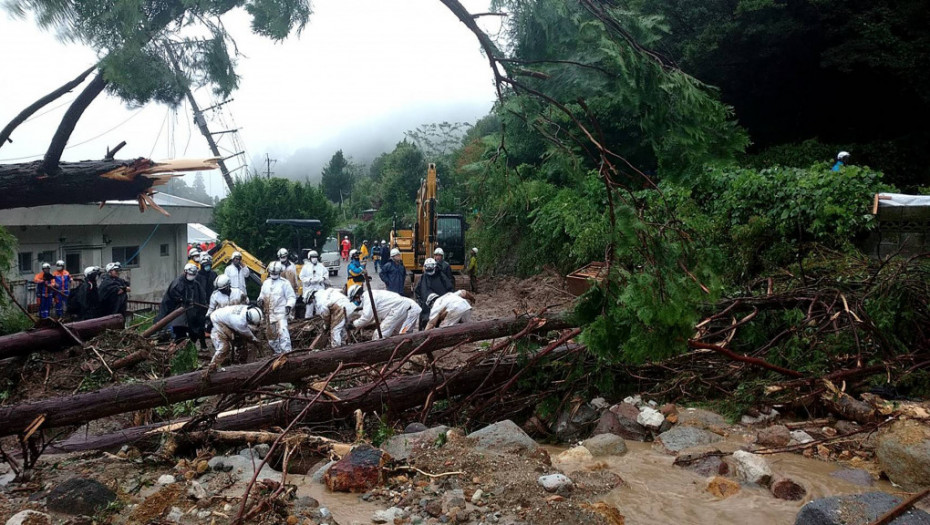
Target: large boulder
708, 466
621, 420
699, 417
79, 496
752, 468
857, 509
650, 418
605, 445
503, 436
401, 446
788, 489
774, 436
30, 517
359, 471
682, 437
574, 422
903, 451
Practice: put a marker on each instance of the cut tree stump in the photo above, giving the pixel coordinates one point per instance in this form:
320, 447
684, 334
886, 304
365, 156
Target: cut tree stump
54, 337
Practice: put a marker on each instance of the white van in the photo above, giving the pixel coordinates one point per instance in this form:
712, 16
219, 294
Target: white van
330, 256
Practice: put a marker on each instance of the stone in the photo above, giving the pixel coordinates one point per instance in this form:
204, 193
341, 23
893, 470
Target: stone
707, 466
358, 471
846, 427
261, 450
752, 468
30, 517
175, 514
204, 514
317, 476
610, 513
555, 482
749, 420
633, 400
721, 487
476, 497
388, 515
574, 422
856, 476
6, 479
433, 507
668, 409
414, 428
683, 437
627, 428
903, 451
650, 418
197, 491
242, 467
857, 509
605, 445
453, 499
579, 454
165, 479
79, 496
503, 436
401, 446
773, 436
599, 403
699, 417
788, 489
800, 437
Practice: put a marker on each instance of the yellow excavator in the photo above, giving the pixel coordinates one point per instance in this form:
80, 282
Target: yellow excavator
430, 231
222, 255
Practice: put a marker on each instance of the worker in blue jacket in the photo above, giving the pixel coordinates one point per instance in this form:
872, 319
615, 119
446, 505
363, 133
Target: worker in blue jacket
393, 273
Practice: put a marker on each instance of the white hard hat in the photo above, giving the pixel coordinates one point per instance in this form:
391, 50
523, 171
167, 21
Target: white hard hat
432, 297
383, 241
46, 266
236, 254
429, 263
206, 258
222, 282
438, 251
282, 253
474, 250
346, 237
355, 292
394, 252
190, 269
60, 263
192, 252
113, 266
91, 270
313, 253
353, 253
842, 155
254, 316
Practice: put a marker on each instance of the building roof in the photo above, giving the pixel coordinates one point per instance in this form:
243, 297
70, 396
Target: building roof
199, 233
182, 211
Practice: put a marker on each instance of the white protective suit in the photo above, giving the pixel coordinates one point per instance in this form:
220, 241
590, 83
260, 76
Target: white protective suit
336, 310
449, 309
276, 296
290, 273
219, 299
313, 277
227, 322
398, 314
237, 276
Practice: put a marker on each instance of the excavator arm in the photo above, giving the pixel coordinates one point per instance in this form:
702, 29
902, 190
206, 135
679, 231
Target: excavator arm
222, 254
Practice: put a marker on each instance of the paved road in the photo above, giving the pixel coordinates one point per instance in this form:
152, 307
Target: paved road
338, 281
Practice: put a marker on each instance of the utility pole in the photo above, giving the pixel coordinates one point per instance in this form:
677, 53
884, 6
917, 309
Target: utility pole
268, 161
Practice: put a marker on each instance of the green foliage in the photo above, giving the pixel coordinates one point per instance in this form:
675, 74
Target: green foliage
383, 432
241, 216
438, 139
12, 320
338, 179
185, 360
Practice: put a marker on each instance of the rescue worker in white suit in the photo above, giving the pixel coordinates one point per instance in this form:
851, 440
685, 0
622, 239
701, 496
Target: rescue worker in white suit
225, 295
228, 322
336, 310
398, 314
314, 276
277, 298
237, 272
449, 309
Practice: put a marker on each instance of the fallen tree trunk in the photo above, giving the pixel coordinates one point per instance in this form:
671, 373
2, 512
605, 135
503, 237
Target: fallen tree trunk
81, 408
56, 338
397, 394
26, 185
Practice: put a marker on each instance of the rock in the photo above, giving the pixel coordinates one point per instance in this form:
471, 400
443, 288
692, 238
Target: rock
453, 499
788, 489
30, 517
856, 476
357, 471
476, 497
610, 513
857, 509
668, 409
555, 482
636, 400
197, 491
903, 451
774, 436
650, 418
616, 421
580, 454
261, 450
699, 417
707, 466
175, 515
503, 436
165, 479
599, 403
752, 468
6, 479
749, 420
605, 445
574, 422
401, 446
317, 476
682, 437
800, 437
847, 427
242, 467
79, 496
433, 507
722, 487
415, 427
389, 515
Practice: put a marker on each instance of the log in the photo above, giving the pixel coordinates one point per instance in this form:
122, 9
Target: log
54, 337
82, 408
163, 322
25, 185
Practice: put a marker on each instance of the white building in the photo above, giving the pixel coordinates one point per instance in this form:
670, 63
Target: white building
151, 247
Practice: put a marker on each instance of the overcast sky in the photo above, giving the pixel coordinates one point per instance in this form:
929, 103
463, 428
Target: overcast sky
361, 73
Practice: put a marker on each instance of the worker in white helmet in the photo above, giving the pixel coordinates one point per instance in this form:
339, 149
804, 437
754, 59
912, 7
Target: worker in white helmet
314, 275
62, 287
335, 309
45, 290
449, 309
228, 323
842, 159
393, 272
288, 269
225, 295
237, 272
84, 302
193, 256
443, 266
398, 314
187, 292
277, 299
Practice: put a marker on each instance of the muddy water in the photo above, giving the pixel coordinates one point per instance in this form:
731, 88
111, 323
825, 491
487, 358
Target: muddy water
346, 508
658, 492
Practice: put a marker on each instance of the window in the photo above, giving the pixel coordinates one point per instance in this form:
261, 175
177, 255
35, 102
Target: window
48, 256
25, 262
121, 254
163, 250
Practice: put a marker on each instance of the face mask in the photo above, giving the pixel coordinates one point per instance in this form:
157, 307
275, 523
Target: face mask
206, 267
275, 277
357, 302
60, 268
237, 262
430, 271
314, 260
190, 277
